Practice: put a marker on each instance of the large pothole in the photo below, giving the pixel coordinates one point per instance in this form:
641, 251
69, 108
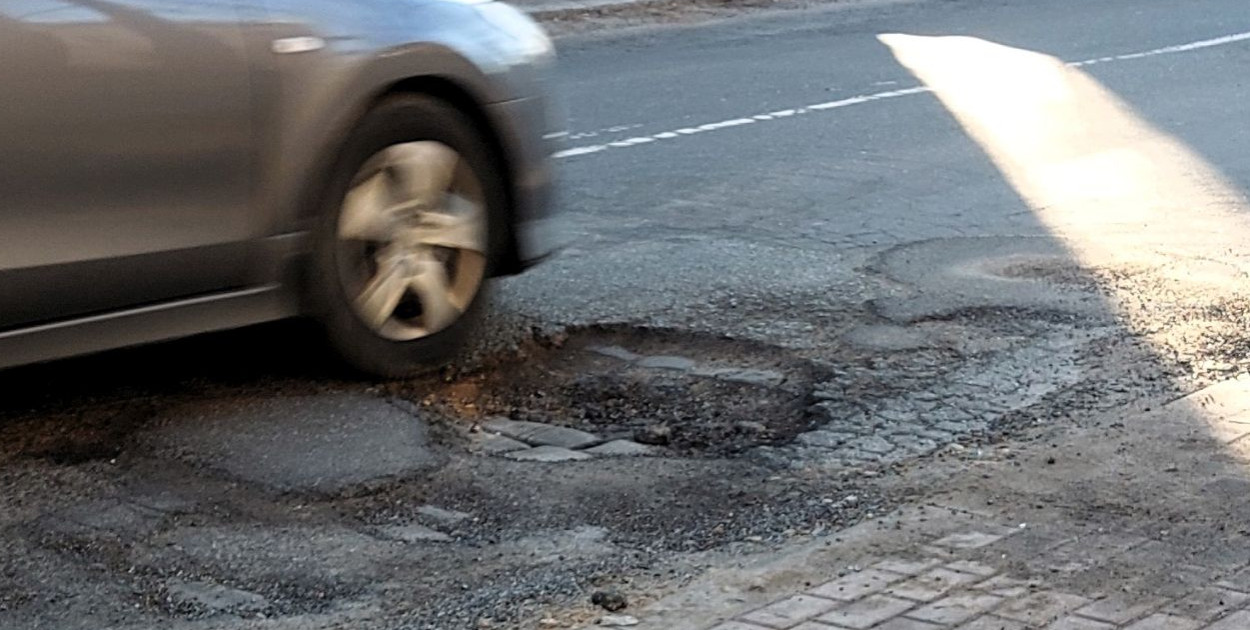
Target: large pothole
685, 396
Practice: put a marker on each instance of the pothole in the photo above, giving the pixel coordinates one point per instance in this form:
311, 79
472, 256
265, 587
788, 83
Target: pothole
677, 394
1054, 270
944, 277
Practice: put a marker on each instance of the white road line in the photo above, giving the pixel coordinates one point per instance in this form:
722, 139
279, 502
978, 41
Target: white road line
868, 98
1168, 50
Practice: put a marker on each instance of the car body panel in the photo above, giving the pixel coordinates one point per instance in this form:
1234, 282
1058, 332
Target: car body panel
195, 152
121, 177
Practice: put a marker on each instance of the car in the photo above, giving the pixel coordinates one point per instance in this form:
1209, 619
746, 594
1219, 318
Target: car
173, 167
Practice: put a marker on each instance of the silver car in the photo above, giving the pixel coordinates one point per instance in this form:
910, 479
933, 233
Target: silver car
170, 167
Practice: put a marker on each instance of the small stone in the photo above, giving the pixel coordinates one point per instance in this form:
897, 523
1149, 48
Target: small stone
540, 434
615, 352
548, 454
618, 621
621, 448
414, 533
449, 517
548, 622
663, 362
609, 600
748, 426
656, 434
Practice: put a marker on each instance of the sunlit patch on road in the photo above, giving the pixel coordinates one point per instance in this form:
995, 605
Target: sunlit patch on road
1117, 191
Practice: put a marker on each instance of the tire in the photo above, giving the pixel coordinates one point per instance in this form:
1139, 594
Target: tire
399, 146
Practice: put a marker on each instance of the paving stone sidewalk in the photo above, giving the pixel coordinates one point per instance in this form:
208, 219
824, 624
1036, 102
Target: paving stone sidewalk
1136, 521
938, 586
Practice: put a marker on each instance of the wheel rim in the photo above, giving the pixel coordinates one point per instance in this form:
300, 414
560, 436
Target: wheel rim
412, 240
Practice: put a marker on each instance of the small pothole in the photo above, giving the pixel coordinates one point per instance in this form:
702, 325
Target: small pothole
1053, 270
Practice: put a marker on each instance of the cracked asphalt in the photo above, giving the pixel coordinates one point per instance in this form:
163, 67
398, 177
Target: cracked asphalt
779, 315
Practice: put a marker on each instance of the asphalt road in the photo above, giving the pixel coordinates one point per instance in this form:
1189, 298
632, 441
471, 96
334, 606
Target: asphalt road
825, 255
785, 209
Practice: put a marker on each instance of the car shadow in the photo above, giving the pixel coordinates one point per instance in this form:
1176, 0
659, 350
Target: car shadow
276, 357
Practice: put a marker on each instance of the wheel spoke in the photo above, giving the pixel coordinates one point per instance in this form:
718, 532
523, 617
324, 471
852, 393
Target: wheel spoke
434, 290
364, 215
420, 210
377, 302
425, 170
461, 227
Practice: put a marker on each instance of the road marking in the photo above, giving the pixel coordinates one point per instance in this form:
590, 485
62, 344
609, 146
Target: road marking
1168, 50
868, 98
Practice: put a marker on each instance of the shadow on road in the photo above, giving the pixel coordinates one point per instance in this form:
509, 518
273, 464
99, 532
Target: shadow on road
266, 358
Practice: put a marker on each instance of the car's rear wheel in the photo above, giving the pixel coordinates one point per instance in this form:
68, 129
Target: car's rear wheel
408, 238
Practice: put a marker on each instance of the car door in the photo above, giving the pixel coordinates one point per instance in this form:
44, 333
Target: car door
125, 154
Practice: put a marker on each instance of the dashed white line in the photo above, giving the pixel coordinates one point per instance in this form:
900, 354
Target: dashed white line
868, 98
1168, 50
592, 134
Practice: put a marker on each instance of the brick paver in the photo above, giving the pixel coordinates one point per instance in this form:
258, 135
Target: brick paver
931, 585
1121, 608
1041, 608
1004, 586
1073, 622
993, 623
906, 567
1239, 581
867, 612
947, 592
738, 625
974, 568
790, 611
856, 585
957, 608
1208, 603
903, 623
1161, 621
1239, 620
968, 540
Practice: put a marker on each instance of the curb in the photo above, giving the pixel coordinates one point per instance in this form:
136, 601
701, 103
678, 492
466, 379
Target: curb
554, 8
